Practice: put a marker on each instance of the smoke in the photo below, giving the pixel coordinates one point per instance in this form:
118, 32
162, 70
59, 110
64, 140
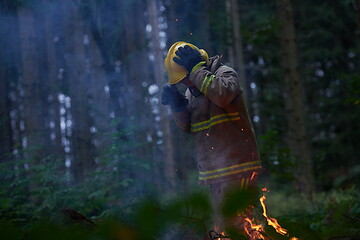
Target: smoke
81, 69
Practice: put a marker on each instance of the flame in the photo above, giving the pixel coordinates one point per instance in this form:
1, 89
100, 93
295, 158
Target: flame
222, 234
221, 237
272, 221
254, 226
255, 231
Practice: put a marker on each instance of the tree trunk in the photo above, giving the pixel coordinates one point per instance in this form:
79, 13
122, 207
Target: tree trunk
239, 64
158, 67
13, 68
35, 124
358, 23
97, 80
52, 69
83, 160
294, 102
5, 122
133, 68
112, 69
230, 32
205, 26
6, 74
172, 22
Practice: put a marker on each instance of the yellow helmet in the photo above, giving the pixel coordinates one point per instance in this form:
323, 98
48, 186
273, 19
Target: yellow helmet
175, 71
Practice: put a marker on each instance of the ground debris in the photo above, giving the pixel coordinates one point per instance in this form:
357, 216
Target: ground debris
76, 217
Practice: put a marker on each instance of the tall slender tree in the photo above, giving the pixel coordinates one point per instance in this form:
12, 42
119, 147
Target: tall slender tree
103, 21
158, 68
172, 21
34, 93
133, 67
81, 138
184, 154
5, 121
6, 74
97, 76
294, 101
52, 66
357, 8
237, 43
203, 20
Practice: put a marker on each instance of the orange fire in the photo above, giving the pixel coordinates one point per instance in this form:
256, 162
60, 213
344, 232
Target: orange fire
272, 221
223, 234
254, 231
221, 237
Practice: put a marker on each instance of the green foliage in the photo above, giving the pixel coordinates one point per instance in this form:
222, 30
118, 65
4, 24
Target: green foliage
276, 157
353, 88
28, 198
33, 190
330, 215
149, 220
238, 200
328, 65
184, 214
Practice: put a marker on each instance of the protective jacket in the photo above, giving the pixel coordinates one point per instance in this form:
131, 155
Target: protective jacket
219, 122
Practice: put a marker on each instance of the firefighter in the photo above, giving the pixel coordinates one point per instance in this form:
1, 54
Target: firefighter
214, 112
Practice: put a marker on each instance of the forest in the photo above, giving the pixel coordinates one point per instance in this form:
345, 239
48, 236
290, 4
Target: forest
87, 150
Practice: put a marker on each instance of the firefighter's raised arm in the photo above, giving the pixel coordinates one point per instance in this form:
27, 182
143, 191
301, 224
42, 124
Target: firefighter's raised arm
221, 87
178, 69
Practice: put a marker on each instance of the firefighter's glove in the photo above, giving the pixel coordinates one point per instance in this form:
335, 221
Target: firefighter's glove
171, 96
187, 57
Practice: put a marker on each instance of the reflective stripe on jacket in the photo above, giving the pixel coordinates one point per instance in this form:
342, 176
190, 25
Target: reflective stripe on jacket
219, 122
